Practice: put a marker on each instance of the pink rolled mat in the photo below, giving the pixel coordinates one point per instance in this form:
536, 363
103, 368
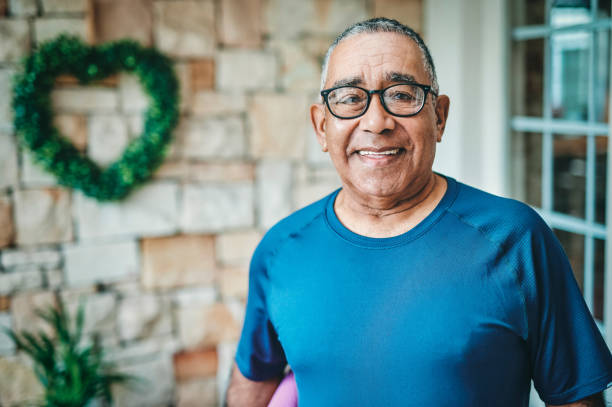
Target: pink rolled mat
286, 393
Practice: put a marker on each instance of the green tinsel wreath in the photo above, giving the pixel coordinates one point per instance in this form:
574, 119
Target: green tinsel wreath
34, 116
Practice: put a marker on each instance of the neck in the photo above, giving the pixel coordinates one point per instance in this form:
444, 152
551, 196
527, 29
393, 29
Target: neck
389, 216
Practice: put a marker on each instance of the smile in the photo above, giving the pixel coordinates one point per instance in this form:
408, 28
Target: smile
373, 154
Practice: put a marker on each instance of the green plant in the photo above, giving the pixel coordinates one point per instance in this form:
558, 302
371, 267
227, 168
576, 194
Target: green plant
72, 374
34, 114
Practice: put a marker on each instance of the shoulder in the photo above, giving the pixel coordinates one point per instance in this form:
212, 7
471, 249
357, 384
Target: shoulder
292, 225
500, 220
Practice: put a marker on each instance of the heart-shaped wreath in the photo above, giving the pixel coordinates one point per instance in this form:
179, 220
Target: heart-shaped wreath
34, 116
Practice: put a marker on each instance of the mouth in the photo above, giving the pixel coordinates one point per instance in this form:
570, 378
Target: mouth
379, 153
377, 157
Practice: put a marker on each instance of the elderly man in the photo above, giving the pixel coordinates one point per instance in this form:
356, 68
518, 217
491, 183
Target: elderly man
406, 287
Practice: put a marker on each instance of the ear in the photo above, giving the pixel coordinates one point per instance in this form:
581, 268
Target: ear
442, 106
317, 116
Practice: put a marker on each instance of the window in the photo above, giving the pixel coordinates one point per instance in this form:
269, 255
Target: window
560, 99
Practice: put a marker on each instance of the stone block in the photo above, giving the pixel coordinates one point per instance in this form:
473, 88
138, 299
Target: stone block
314, 155
213, 208
221, 172
409, 12
23, 8
64, 6
8, 160
274, 197
202, 74
306, 194
5, 303
240, 23
87, 264
18, 383
132, 95
107, 138
326, 17
7, 346
280, 125
26, 257
194, 296
246, 70
234, 282
142, 350
7, 228
33, 174
43, 216
177, 261
15, 42
100, 310
141, 317
185, 28
207, 103
236, 248
150, 210
117, 19
183, 74
74, 128
197, 392
157, 390
195, 364
6, 88
24, 307
300, 62
49, 28
204, 326
85, 100
53, 279
20, 281
227, 352
212, 138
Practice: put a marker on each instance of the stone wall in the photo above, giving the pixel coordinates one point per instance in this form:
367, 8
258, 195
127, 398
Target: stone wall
164, 273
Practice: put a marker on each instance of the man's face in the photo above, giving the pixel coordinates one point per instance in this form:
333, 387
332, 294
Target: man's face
375, 61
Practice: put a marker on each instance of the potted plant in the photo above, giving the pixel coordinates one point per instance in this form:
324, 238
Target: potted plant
72, 373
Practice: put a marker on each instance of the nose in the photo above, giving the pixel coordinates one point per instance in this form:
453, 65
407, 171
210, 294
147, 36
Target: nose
376, 119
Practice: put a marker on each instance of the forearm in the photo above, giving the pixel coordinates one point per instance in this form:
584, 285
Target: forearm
243, 392
596, 400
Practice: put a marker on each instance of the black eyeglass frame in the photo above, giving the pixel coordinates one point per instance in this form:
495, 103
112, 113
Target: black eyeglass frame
426, 88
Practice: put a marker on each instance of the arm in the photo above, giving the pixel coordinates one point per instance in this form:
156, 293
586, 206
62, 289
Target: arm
596, 400
243, 392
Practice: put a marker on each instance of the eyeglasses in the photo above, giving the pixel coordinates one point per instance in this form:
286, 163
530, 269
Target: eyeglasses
403, 100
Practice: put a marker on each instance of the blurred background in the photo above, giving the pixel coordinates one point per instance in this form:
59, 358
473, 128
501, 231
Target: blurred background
163, 273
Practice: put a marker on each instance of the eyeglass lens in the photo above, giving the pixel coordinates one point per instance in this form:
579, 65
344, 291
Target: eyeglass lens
399, 99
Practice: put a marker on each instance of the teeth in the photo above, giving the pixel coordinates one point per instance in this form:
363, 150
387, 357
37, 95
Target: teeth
388, 152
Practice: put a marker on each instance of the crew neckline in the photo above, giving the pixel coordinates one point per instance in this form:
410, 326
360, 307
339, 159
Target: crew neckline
384, 242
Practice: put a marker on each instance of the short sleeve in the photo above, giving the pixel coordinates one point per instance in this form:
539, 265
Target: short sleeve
569, 357
259, 355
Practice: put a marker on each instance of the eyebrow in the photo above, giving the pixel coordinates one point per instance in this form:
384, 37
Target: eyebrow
393, 77
400, 77
355, 80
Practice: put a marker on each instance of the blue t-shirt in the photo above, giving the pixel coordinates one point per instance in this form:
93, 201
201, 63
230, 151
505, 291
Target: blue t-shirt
462, 310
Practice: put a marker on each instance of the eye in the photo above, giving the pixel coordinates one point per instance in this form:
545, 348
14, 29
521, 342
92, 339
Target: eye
401, 96
349, 99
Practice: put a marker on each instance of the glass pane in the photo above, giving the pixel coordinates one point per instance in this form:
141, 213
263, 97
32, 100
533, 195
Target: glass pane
601, 178
603, 8
573, 244
570, 12
569, 166
528, 78
570, 75
602, 75
528, 12
527, 167
598, 286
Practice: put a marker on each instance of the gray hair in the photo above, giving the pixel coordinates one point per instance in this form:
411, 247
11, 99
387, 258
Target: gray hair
381, 24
